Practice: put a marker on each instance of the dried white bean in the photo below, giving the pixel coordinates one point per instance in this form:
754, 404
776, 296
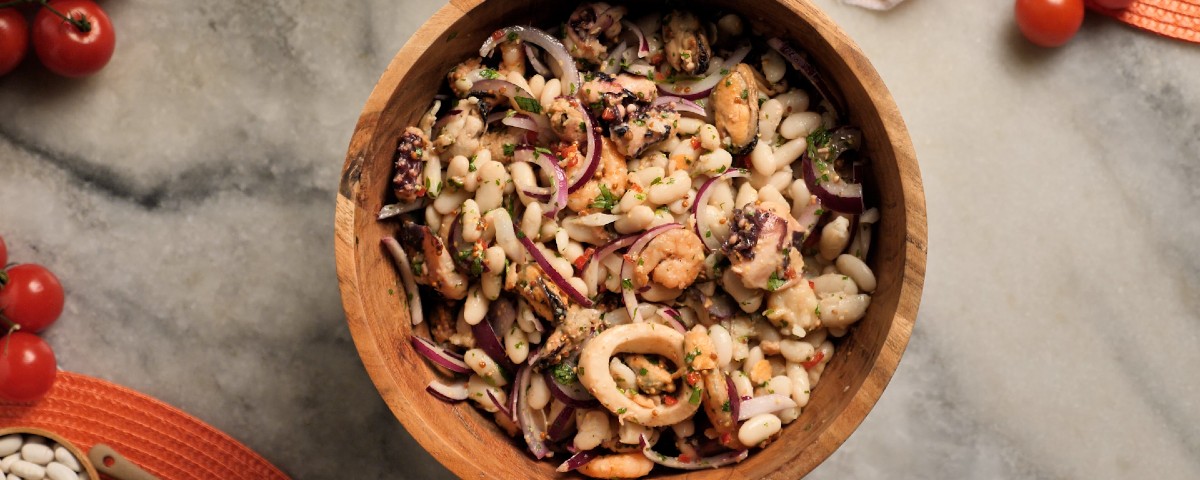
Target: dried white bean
854, 268
646, 176
840, 311
539, 392
27, 470
742, 383
531, 220
10, 444
670, 189
797, 351
506, 237
710, 139
622, 374
769, 116
746, 195
63, 456
748, 299
449, 201
476, 306
8, 460
814, 373
689, 126
773, 67
58, 471
762, 160
37, 453
787, 153
636, 220
485, 367
536, 84
553, 88
730, 25
758, 429
793, 101
713, 163
524, 180
433, 176
516, 345
493, 179
768, 193
834, 283
800, 384
477, 390
472, 224
685, 428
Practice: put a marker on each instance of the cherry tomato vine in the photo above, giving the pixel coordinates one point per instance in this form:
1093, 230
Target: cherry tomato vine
73, 38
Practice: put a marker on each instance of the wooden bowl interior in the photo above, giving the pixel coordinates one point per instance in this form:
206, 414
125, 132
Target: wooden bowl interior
469, 443
80, 455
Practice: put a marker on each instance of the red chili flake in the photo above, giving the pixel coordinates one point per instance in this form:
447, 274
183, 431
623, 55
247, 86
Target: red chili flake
815, 360
583, 259
669, 400
683, 457
812, 285
695, 142
726, 438
692, 378
497, 35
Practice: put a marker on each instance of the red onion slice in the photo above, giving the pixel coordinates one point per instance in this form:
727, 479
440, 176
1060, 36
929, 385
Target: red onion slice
577, 460
533, 431
519, 98
558, 279
412, 294
393, 209
809, 71
501, 406
702, 196
593, 263
560, 428
538, 66
701, 87
553, 204
627, 292
487, 340
715, 461
520, 120
765, 404
449, 393
735, 400
681, 105
612, 64
643, 48
439, 356
573, 394
553, 47
839, 196
592, 151
672, 318
441, 122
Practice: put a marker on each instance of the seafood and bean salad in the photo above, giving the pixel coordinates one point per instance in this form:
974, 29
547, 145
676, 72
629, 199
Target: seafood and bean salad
633, 237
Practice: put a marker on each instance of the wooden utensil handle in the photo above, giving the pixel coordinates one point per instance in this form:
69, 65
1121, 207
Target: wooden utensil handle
109, 462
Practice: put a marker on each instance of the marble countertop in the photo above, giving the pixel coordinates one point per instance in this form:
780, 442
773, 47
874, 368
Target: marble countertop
185, 197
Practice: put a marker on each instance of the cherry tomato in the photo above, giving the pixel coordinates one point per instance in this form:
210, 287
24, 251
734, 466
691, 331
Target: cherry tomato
64, 48
1113, 4
3, 253
1049, 23
14, 41
32, 298
27, 367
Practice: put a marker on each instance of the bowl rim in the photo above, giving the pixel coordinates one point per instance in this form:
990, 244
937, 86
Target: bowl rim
913, 251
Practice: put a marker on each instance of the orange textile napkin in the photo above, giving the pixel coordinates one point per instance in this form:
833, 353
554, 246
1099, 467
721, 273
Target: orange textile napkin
1172, 18
157, 437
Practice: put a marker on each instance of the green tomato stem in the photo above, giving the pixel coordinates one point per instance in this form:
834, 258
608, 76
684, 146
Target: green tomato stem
81, 23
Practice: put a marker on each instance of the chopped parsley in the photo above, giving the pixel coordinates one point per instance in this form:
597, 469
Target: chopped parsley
606, 200
745, 93
627, 284
622, 410
774, 283
695, 398
489, 74
563, 373
528, 104
691, 356
643, 372
512, 36
725, 406
509, 149
817, 139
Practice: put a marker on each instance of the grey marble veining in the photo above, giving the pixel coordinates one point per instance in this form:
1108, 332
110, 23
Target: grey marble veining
184, 195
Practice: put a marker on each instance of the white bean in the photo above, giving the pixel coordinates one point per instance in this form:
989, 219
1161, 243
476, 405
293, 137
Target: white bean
506, 237
476, 306
793, 101
593, 428
833, 283
799, 124
800, 385
433, 175
713, 163
646, 176
671, 188
685, 428
516, 345
722, 197
773, 67
8, 460
834, 238
537, 83
493, 178
781, 179
27, 470
758, 429
762, 160
477, 390
629, 433
730, 25
854, 268
787, 153
797, 351
636, 220
63, 456
769, 116
840, 311
778, 384
524, 179
742, 383
768, 193
752, 359
552, 89
710, 139
485, 367
450, 200
814, 373
10, 444
539, 392
748, 299
722, 342
746, 195
689, 126
472, 225
58, 471
531, 220
37, 453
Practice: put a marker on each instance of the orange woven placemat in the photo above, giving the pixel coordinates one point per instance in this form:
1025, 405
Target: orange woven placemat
157, 437
1172, 18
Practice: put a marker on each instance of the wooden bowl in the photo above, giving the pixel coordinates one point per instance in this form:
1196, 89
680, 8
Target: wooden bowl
468, 443
80, 455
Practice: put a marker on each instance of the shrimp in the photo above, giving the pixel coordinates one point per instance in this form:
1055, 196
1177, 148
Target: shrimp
674, 260
618, 465
612, 173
